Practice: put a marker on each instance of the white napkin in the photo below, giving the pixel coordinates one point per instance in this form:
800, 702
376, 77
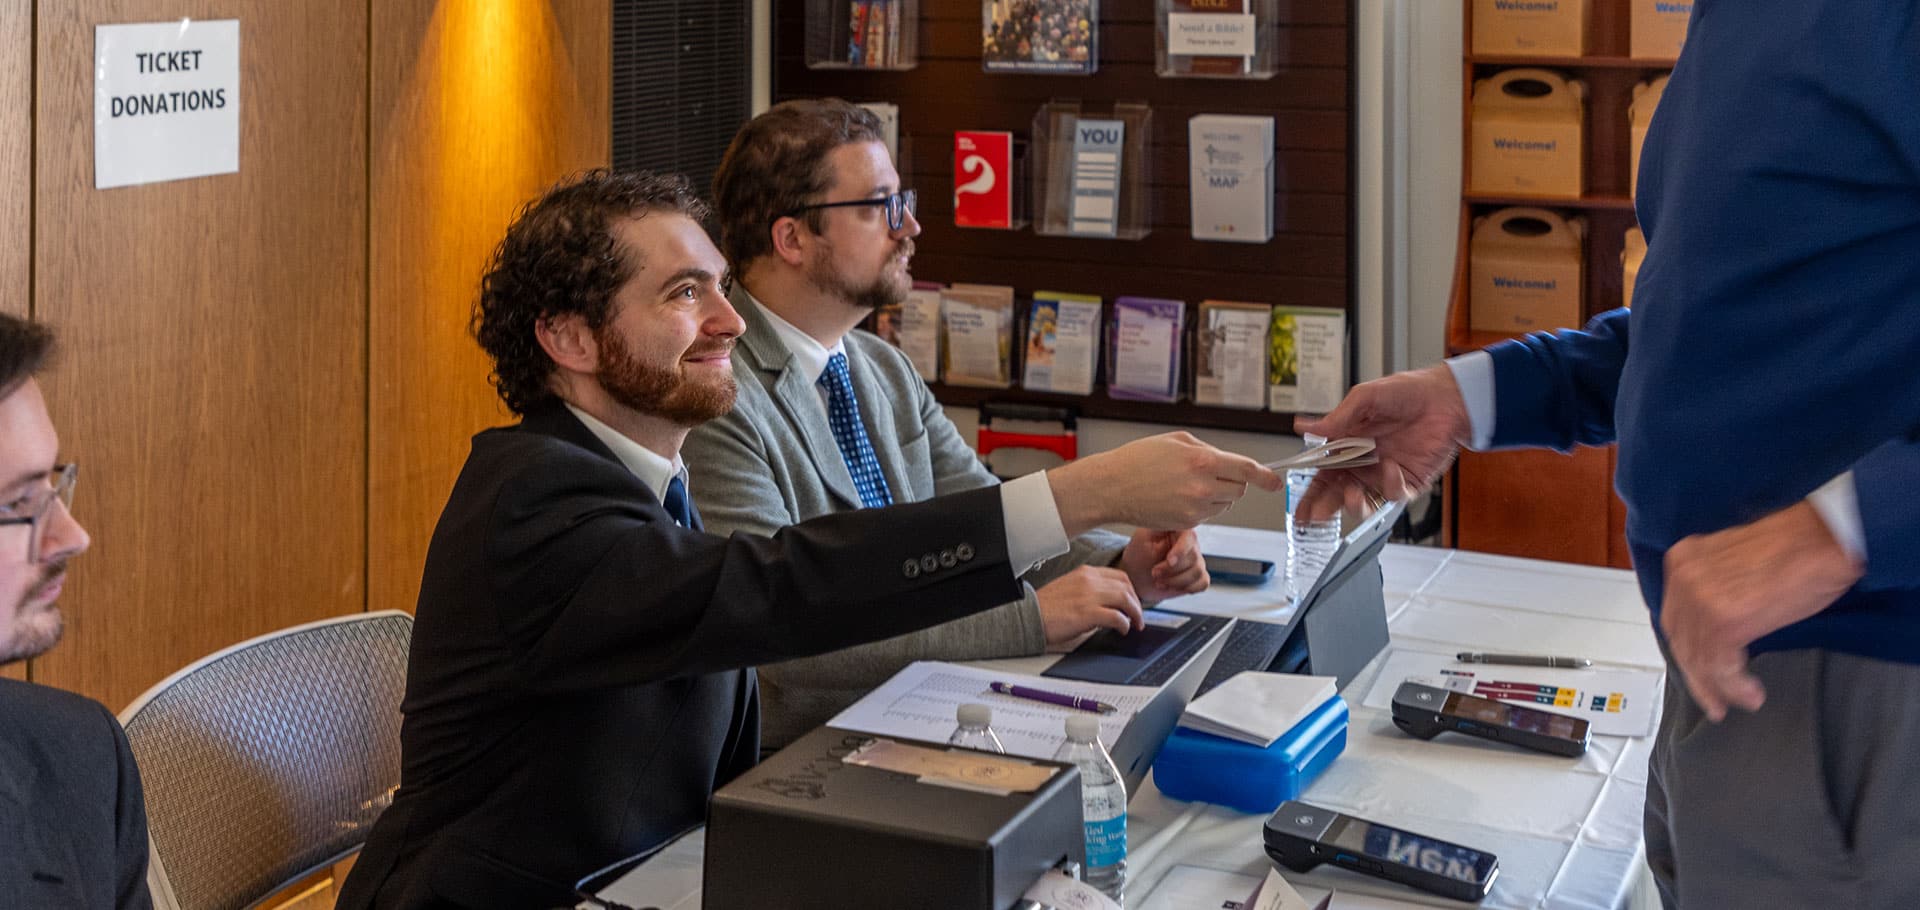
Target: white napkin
1257, 708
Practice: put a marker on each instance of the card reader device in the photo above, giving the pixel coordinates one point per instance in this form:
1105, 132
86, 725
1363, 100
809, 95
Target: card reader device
1425, 711
1300, 836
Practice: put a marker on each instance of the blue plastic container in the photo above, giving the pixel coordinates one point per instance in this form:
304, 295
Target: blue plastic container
1213, 769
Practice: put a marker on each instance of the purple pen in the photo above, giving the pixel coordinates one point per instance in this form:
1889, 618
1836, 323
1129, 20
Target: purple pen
1054, 698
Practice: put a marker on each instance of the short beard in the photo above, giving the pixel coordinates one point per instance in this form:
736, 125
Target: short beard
663, 392
32, 636
879, 293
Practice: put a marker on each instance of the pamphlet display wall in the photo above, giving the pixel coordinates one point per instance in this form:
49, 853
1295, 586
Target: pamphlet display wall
1307, 262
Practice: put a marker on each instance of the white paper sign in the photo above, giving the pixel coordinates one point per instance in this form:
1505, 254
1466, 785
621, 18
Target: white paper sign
1210, 33
166, 101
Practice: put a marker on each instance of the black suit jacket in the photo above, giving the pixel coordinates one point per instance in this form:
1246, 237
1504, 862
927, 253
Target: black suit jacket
73, 826
576, 686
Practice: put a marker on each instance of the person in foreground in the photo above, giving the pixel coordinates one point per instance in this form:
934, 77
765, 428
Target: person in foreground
819, 233
1768, 416
73, 824
577, 684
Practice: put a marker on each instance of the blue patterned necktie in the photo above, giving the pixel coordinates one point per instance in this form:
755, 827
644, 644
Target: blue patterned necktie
676, 502
844, 414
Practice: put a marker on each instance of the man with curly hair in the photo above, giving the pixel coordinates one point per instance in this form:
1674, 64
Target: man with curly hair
578, 681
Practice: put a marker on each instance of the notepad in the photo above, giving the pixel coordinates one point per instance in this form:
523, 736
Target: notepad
1257, 708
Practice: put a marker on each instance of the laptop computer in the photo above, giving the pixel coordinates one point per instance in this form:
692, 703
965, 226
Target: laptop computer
1151, 656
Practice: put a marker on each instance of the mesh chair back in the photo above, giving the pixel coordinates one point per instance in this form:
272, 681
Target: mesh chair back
270, 759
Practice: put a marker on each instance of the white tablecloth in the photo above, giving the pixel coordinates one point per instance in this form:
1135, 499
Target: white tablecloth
1567, 831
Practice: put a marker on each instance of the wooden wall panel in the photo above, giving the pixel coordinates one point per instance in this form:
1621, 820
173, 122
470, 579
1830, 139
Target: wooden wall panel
214, 383
475, 109
1537, 503
16, 175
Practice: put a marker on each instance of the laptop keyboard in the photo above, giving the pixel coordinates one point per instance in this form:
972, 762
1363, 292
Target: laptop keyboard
1250, 646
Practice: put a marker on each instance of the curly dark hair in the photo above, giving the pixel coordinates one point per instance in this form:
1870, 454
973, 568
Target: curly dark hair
24, 349
559, 257
778, 163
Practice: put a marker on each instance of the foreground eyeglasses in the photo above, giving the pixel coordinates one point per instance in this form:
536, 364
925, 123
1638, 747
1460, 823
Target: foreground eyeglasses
34, 508
899, 205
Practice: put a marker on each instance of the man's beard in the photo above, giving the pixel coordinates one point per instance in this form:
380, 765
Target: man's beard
35, 634
878, 293
663, 392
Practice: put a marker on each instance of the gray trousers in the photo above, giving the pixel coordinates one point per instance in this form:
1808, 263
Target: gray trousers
1812, 802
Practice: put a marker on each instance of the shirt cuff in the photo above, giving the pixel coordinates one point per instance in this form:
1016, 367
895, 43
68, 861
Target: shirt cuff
1473, 373
1839, 506
1034, 532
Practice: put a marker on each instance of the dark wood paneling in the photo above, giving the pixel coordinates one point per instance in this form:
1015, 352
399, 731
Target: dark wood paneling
214, 381
476, 109
1308, 262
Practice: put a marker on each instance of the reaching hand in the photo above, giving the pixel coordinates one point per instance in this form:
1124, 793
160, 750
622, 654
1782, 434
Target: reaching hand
1417, 421
1083, 600
1171, 481
1728, 588
1164, 564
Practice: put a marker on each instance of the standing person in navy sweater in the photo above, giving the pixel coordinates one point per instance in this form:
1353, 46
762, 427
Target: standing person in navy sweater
1768, 416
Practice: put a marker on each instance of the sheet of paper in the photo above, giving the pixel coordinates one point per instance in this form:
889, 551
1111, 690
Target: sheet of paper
1199, 888
920, 702
669, 880
975, 769
1055, 889
1614, 702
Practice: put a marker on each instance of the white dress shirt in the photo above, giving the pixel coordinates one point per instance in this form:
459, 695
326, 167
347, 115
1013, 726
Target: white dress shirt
653, 469
1034, 532
1835, 500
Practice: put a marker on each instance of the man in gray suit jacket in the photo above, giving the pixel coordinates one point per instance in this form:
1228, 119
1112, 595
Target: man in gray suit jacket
819, 233
73, 826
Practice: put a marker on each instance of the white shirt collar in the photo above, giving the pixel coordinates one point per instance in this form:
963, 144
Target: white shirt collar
809, 355
651, 467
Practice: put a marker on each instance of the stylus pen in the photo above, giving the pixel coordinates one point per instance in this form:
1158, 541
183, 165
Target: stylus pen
1054, 698
1522, 660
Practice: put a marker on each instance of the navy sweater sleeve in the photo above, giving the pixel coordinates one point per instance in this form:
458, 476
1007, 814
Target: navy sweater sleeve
1557, 389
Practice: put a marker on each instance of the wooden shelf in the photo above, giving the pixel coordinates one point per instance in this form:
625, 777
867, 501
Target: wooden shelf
1587, 62
1602, 201
1102, 407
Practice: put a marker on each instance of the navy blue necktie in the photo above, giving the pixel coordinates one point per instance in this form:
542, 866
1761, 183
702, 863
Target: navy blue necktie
676, 502
843, 412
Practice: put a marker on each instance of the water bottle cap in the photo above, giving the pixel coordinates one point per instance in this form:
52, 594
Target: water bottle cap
975, 715
1083, 728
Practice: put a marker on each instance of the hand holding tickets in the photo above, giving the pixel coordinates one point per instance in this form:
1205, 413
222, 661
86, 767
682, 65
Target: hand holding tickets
1417, 421
1350, 452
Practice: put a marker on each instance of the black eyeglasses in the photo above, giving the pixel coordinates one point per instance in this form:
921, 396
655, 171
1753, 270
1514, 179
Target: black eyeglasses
899, 206
33, 508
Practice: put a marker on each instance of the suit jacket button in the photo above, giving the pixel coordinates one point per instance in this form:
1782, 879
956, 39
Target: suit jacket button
929, 563
911, 569
963, 552
948, 559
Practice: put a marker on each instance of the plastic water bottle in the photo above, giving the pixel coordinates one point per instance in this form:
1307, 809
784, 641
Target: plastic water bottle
975, 731
1310, 544
1103, 805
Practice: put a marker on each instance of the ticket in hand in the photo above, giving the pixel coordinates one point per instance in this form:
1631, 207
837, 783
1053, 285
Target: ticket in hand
1346, 452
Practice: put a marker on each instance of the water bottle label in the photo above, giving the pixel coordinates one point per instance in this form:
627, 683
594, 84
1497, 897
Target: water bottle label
1107, 841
